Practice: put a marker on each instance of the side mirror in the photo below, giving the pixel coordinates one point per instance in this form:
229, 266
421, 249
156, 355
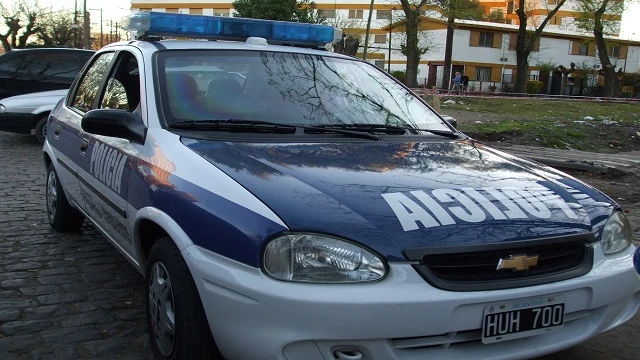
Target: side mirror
114, 123
450, 120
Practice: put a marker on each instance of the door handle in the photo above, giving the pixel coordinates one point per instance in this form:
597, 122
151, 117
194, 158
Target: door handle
84, 144
57, 130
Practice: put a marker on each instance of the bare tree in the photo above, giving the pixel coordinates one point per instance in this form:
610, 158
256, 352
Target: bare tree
21, 21
413, 10
526, 40
595, 19
56, 29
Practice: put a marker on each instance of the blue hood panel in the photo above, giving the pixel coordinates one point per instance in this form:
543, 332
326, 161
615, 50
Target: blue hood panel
393, 196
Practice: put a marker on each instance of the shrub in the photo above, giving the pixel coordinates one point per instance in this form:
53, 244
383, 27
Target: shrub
400, 75
534, 86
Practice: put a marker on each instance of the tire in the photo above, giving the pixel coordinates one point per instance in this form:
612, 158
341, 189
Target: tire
171, 292
41, 128
62, 216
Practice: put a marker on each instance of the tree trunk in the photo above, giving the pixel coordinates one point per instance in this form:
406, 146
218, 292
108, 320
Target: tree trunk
522, 52
446, 74
608, 69
412, 51
522, 69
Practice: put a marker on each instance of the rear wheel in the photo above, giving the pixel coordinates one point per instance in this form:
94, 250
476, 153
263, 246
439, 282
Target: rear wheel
176, 321
41, 128
62, 216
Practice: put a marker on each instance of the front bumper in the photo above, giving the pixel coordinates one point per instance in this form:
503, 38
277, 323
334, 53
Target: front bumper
20, 123
255, 317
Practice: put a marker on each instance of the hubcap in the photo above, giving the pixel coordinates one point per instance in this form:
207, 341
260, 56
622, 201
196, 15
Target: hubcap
162, 309
52, 195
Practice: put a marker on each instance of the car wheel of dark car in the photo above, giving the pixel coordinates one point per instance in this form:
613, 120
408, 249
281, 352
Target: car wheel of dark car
41, 128
176, 321
62, 216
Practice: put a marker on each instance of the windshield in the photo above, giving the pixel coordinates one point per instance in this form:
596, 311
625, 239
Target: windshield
284, 88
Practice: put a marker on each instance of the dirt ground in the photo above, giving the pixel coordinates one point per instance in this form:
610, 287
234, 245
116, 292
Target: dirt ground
551, 124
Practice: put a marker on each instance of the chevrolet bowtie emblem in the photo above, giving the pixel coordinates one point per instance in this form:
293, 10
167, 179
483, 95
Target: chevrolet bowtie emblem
517, 262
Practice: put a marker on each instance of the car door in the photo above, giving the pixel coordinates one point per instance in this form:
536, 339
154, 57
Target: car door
106, 163
64, 129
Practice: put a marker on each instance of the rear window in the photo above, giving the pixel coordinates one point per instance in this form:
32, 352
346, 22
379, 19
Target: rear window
60, 64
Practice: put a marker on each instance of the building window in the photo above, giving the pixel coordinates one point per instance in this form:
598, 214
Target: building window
552, 2
195, 11
327, 14
383, 14
171, 10
379, 63
614, 51
221, 12
486, 39
584, 49
356, 14
380, 39
556, 20
483, 73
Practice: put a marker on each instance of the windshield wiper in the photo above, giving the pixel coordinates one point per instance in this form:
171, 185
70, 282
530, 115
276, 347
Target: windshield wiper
392, 129
234, 125
241, 125
448, 134
381, 128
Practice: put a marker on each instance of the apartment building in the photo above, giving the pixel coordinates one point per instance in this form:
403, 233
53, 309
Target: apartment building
482, 50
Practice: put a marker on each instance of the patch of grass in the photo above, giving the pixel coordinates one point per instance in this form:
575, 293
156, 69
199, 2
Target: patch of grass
536, 109
611, 127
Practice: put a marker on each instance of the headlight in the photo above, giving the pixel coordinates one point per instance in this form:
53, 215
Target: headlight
320, 259
616, 234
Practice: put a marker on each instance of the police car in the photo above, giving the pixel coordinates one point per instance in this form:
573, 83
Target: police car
286, 202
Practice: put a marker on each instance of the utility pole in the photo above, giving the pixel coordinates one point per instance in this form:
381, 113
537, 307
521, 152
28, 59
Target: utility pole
111, 32
85, 26
75, 25
366, 36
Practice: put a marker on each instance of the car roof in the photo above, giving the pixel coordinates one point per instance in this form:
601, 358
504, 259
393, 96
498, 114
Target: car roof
158, 45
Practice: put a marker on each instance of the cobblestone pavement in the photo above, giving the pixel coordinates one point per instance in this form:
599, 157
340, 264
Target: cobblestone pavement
62, 296
73, 296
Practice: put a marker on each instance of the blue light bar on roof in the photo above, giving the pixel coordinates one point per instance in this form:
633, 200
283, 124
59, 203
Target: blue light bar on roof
145, 23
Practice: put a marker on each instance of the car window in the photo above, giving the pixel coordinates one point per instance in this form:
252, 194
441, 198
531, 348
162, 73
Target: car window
123, 88
24, 63
90, 83
65, 65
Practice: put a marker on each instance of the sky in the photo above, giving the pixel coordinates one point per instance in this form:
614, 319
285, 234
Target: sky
116, 9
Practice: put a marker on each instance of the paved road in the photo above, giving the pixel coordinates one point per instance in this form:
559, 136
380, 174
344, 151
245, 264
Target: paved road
74, 297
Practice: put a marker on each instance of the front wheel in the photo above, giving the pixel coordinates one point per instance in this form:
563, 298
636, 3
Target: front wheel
62, 216
176, 321
41, 129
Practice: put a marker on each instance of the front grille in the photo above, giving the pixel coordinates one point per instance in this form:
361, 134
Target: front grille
476, 270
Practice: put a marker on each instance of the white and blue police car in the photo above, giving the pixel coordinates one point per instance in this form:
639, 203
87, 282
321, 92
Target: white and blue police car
286, 202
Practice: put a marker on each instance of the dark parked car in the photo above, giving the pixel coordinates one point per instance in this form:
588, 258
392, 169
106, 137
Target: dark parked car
32, 70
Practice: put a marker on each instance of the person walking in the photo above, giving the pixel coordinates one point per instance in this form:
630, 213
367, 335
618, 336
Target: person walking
457, 81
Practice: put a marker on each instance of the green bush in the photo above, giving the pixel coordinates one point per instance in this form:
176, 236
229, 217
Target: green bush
534, 86
400, 75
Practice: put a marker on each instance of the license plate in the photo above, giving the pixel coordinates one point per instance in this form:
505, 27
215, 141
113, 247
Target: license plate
514, 320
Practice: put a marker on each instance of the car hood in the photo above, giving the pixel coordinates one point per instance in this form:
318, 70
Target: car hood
393, 196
